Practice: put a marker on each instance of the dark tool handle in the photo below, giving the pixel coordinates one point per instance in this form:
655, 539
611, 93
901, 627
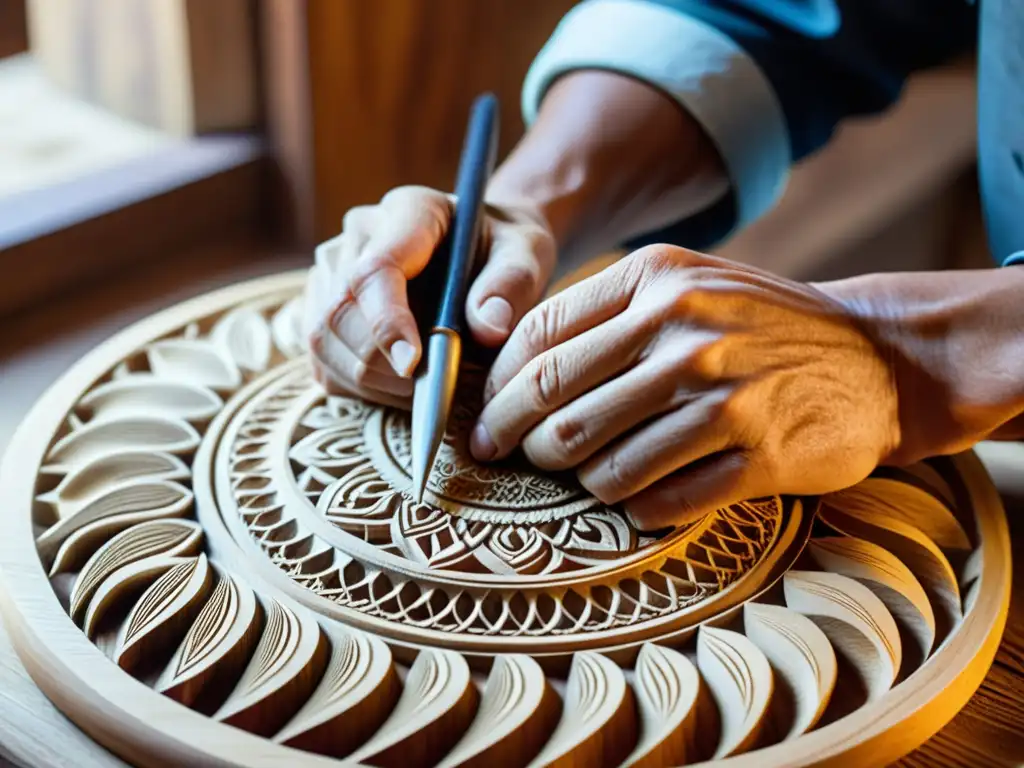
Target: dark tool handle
479, 153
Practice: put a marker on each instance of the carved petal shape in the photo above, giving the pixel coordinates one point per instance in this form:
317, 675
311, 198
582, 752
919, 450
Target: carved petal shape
436, 706
357, 692
194, 360
881, 497
162, 537
122, 582
911, 546
667, 686
517, 713
244, 335
598, 717
219, 641
97, 477
143, 394
100, 438
163, 613
886, 576
280, 676
740, 680
800, 653
134, 502
849, 613
287, 328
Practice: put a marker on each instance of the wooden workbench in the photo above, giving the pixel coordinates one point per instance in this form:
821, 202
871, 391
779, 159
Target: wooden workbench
38, 346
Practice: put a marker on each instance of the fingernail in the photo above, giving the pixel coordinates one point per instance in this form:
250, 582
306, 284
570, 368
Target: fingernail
497, 313
480, 443
402, 354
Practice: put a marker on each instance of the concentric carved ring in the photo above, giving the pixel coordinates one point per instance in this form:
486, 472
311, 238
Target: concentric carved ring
210, 561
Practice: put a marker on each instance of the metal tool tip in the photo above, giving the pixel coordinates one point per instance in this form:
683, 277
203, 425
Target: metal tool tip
419, 485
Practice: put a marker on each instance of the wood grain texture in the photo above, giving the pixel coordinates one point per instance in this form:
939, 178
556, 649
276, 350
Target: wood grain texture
184, 66
998, 719
389, 87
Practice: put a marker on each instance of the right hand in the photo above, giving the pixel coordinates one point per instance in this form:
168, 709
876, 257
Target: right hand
362, 335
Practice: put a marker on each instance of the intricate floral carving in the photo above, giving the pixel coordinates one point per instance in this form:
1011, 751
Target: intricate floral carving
220, 529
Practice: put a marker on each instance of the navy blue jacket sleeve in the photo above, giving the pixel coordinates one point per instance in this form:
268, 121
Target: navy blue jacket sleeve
826, 60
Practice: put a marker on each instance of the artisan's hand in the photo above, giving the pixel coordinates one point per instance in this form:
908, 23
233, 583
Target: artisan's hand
362, 334
680, 383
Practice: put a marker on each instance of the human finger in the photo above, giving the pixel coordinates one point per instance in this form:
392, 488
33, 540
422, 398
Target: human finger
410, 225
556, 377
668, 443
511, 282
690, 493
565, 315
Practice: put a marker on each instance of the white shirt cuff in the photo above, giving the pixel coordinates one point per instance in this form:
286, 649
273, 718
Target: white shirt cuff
703, 69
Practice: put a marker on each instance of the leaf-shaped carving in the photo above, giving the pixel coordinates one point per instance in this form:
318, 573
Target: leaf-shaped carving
880, 497
741, 683
357, 692
143, 394
598, 725
887, 577
142, 433
911, 546
123, 583
435, 708
161, 537
243, 334
85, 483
123, 506
163, 613
518, 711
667, 687
194, 360
281, 675
849, 613
800, 653
218, 643
925, 476
287, 328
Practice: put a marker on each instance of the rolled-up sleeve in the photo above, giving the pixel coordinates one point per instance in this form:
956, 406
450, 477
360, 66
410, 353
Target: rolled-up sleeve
704, 70
768, 81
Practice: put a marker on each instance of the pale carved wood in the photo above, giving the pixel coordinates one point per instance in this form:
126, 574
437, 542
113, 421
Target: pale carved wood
236, 549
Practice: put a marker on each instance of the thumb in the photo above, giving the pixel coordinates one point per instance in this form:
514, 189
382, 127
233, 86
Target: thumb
509, 285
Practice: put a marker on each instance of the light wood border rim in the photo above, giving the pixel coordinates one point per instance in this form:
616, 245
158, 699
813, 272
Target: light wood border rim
81, 681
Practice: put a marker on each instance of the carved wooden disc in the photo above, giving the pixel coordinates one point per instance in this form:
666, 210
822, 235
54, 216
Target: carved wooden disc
212, 562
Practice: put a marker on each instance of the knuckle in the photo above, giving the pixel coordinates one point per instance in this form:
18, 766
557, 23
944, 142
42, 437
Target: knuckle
355, 218
544, 381
609, 481
357, 373
385, 326
539, 326
556, 444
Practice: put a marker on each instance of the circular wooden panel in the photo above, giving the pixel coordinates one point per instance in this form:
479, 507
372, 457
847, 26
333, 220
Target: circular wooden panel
208, 561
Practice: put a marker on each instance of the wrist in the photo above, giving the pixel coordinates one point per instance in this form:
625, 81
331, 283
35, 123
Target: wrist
953, 343
609, 158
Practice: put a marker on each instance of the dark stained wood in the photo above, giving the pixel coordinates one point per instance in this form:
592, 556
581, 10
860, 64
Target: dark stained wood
390, 84
288, 117
149, 218
13, 29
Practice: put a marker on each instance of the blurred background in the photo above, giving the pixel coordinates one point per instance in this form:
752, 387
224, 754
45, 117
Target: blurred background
150, 149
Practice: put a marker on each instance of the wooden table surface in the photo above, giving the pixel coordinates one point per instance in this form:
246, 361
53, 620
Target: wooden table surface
38, 346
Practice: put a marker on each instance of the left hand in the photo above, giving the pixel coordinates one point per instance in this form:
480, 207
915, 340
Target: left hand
679, 383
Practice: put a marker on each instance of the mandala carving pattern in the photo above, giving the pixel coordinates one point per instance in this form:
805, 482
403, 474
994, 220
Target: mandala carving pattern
208, 522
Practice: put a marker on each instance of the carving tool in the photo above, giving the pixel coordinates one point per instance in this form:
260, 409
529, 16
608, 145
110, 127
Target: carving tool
438, 371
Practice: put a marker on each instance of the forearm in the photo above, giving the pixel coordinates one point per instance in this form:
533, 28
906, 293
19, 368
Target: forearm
956, 341
608, 158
